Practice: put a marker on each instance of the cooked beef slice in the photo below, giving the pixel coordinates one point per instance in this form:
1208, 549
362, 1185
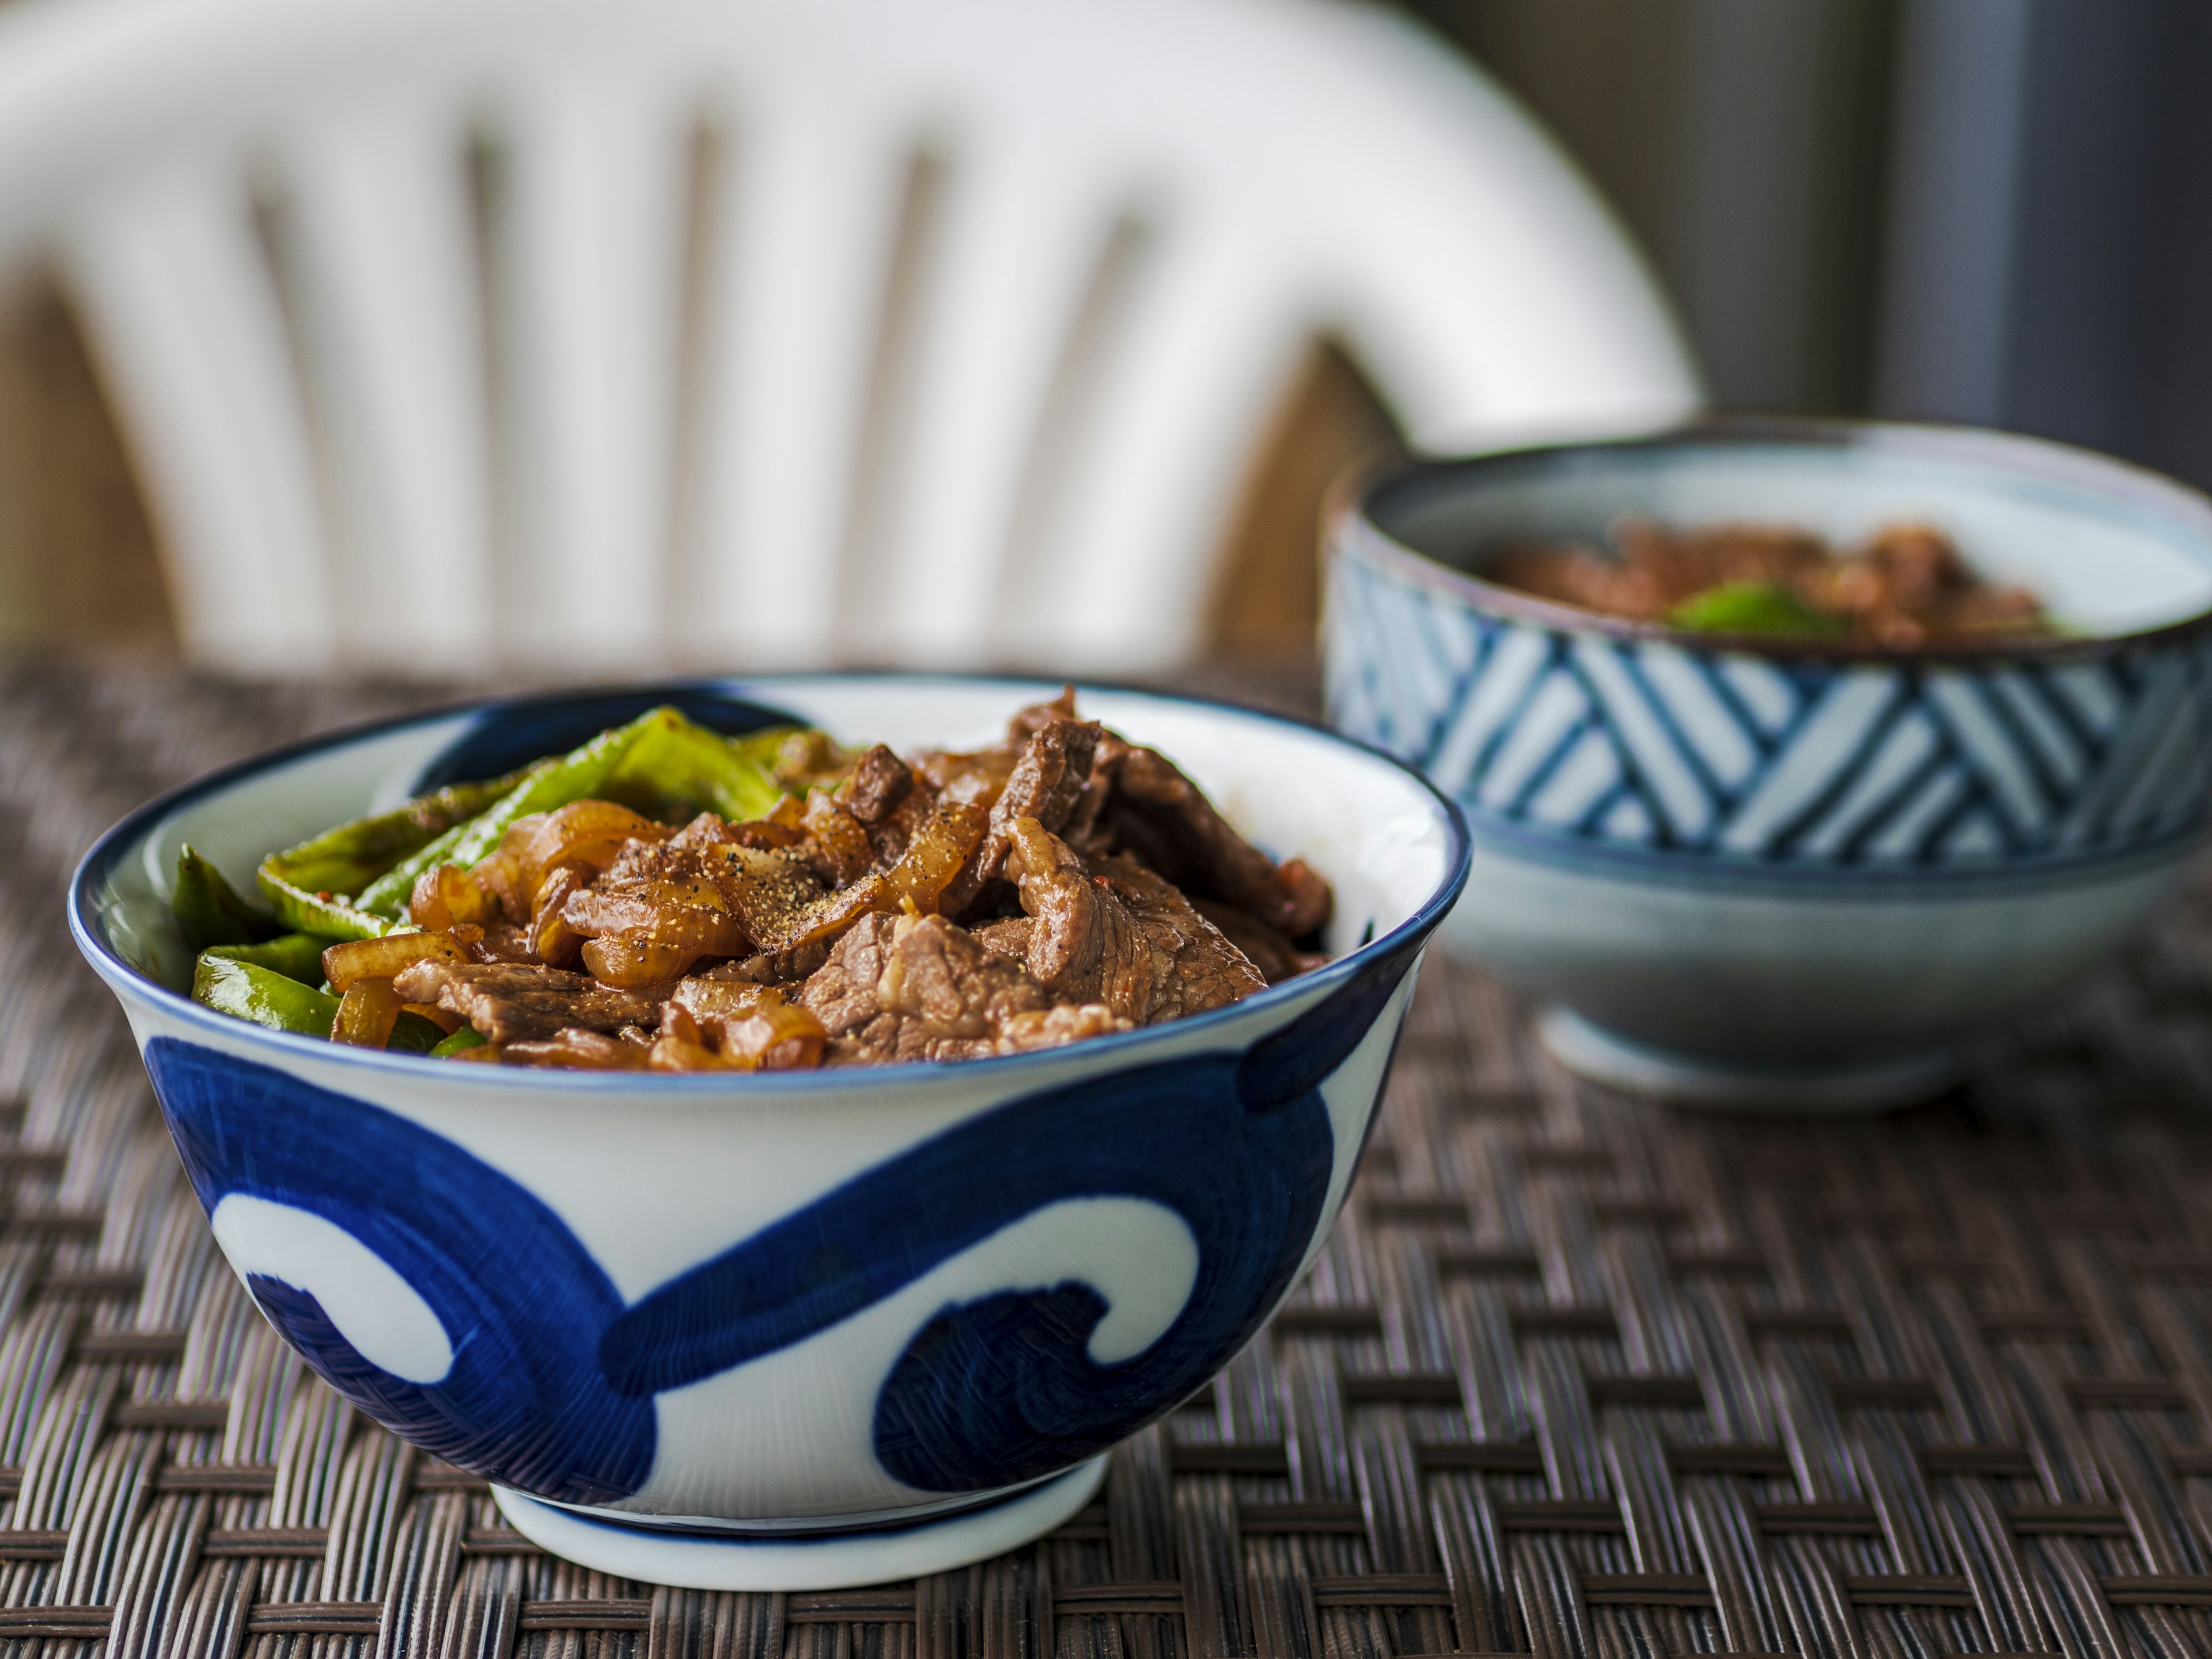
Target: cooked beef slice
1044, 784
1275, 957
1054, 765
1113, 932
1084, 944
768, 891
1194, 968
977, 778
776, 967
1026, 721
1009, 936
641, 860
879, 782
836, 847
891, 835
908, 988
1162, 817
511, 1003
842, 994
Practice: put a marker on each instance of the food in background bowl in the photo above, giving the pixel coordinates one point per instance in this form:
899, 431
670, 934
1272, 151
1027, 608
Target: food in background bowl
841, 907
782, 1329
1904, 587
1789, 871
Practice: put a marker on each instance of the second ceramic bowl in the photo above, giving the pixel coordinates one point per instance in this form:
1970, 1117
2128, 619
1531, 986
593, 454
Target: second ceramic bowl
1766, 873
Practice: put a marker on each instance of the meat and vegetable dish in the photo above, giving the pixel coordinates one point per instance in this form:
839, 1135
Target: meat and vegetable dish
665, 898
1904, 589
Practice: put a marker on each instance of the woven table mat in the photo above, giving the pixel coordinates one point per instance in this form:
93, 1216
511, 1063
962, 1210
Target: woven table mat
1574, 1377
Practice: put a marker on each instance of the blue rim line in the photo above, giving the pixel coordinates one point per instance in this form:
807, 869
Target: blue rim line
127, 833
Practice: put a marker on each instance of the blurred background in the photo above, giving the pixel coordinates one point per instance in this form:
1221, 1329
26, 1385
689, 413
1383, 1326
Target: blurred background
1983, 210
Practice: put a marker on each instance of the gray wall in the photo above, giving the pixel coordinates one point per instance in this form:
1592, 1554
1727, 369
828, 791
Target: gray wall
1990, 211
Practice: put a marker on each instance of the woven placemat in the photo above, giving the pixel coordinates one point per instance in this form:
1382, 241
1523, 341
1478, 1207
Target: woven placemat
1574, 1377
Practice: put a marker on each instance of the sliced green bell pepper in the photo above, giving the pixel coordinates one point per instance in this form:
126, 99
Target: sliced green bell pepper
295, 955
247, 990
209, 910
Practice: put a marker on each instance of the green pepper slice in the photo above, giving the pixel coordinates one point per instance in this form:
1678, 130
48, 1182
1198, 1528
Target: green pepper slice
247, 990
209, 910
309, 884
1754, 608
295, 955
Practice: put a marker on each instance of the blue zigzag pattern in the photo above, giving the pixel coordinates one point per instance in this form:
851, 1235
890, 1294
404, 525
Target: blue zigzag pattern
1647, 746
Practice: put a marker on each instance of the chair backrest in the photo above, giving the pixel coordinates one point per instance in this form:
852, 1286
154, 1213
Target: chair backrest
451, 331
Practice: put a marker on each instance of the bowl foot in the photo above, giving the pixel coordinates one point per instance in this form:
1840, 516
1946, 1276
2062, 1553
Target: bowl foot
696, 1558
1689, 1080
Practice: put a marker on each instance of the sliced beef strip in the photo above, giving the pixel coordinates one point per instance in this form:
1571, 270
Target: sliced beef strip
879, 782
1113, 932
922, 988
1194, 968
975, 776
1045, 783
1275, 957
891, 835
511, 1003
1026, 721
1165, 819
788, 967
639, 861
1009, 936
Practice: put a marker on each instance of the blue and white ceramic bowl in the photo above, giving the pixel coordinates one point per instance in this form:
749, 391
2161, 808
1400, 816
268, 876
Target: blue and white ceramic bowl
1765, 873
784, 1331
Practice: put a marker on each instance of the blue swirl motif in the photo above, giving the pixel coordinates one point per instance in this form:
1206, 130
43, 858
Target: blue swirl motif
551, 1386
522, 1302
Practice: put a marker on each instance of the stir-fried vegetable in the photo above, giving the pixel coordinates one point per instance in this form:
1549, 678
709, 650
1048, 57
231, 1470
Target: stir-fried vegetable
295, 955
209, 912
313, 884
1765, 608
344, 893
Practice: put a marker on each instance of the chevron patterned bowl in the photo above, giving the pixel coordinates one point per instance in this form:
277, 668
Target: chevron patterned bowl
1768, 872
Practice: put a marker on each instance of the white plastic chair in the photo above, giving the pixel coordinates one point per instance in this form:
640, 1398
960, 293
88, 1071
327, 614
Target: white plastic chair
762, 331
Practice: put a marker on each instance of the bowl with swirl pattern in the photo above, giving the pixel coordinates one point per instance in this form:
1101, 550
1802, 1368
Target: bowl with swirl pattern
784, 1330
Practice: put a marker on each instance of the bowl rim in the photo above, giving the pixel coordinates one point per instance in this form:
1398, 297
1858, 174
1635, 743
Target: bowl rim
129, 832
1352, 530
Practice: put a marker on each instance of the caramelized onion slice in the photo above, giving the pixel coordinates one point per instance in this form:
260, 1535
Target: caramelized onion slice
660, 914
753, 1025
939, 847
628, 964
447, 894
587, 832
366, 1013
387, 957
575, 1047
